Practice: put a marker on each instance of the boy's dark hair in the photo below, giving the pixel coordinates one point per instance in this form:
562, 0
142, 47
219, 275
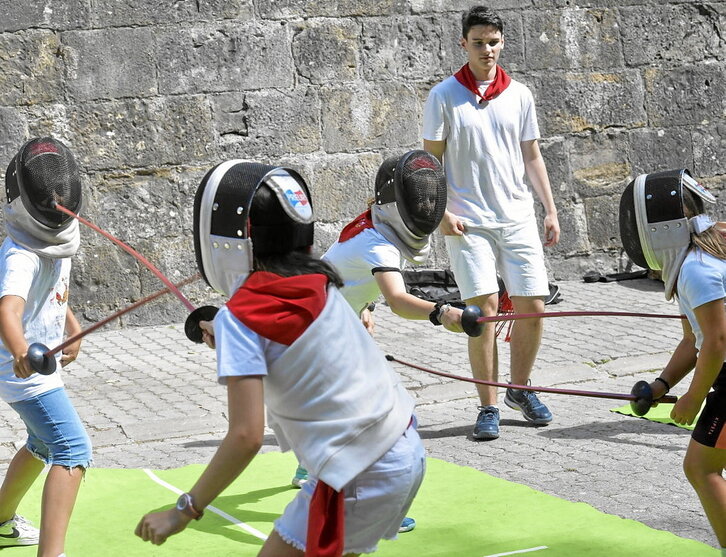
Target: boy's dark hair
480, 15
267, 211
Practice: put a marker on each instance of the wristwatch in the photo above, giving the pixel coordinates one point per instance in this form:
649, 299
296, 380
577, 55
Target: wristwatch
439, 310
185, 505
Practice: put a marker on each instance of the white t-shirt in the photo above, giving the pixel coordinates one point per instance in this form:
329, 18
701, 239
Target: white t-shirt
483, 158
43, 284
702, 279
331, 396
357, 259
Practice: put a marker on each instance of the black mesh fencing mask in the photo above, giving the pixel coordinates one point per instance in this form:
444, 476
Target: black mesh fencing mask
42, 174
417, 184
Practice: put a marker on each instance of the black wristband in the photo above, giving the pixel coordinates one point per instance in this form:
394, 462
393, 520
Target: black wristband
434, 315
667, 386
371, 306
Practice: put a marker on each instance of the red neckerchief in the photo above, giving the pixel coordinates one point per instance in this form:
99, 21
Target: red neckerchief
279, 308
356, 226
326, 523
500, 82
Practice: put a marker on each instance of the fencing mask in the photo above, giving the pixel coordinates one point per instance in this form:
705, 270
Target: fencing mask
40, 175
654, 229
410, 202
244, 210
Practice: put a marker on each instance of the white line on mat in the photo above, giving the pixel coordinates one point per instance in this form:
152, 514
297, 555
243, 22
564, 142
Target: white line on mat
518, 551
215, 510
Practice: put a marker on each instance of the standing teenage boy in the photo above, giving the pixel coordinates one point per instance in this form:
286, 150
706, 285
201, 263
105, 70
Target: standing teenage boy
483, 126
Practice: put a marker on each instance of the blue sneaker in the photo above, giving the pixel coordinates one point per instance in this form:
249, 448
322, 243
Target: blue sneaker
531, 407
301, 476
487, 423
407, 524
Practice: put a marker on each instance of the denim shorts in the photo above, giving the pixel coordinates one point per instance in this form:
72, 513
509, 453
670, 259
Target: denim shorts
376, 501
514, 252
55, 432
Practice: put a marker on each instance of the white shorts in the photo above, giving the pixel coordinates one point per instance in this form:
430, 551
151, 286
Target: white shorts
376, 501
514, 252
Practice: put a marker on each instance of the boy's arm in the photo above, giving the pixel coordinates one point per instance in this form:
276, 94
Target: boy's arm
537, 173
13, 335
73, 327
450, 224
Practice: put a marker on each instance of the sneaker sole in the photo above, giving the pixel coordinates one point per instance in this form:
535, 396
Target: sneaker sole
485, 436
514, 406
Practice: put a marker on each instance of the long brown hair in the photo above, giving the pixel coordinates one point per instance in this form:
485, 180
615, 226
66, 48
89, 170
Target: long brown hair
712, 241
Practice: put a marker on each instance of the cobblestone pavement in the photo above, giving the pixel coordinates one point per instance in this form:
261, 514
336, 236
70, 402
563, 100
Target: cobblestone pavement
150, 399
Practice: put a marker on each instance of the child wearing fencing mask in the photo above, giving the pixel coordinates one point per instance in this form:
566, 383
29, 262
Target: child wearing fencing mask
371, 251
664, 227
35, 262
410, 200
287, 340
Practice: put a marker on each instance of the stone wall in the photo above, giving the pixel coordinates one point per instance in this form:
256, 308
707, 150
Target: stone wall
150, 95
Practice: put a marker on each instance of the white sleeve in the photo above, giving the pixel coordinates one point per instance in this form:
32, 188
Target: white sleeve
530, 127
382, 255
435, 123
240, 351
20, 268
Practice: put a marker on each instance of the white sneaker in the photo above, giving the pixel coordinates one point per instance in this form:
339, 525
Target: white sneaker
18, 531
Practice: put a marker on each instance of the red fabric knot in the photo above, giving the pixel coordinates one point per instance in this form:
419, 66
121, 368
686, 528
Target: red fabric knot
500, 82
279, 308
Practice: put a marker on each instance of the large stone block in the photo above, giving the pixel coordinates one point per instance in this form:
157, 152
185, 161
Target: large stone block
686, 96
292, 9
69, 14
341, 185
461, 6
672, 33
326, 50
572, 39
267, 123
573, 102
112, 13
554, 153
652, 150
110, 63
603, 222
405, 48
370, 116
135, 132
709, 149
599, 164
31, 68
13, 133
229, 56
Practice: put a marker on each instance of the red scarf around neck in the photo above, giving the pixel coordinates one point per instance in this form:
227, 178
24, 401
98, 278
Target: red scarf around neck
356, 226
279, 308
500, 83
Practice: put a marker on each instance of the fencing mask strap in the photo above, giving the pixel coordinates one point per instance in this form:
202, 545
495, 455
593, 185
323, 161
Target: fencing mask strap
410, 202
41, 174
225, 241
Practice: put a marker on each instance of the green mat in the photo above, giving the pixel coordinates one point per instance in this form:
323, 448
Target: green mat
460, 512
661, 414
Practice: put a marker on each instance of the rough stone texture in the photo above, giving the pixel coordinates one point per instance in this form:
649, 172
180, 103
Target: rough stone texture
151, 95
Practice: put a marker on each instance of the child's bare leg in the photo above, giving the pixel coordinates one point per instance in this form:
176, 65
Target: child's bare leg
22, 472
59, 497
704, 469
